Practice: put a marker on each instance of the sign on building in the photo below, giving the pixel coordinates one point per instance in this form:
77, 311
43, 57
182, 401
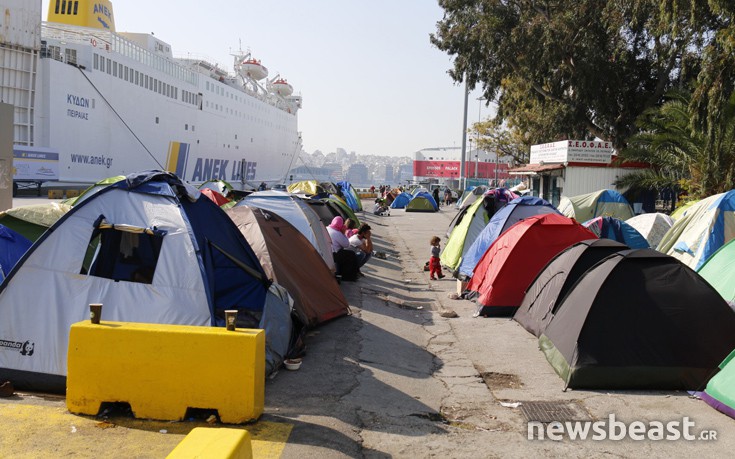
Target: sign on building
572, 151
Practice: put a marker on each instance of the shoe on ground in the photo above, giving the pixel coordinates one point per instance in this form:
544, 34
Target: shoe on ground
432, 278
442, 276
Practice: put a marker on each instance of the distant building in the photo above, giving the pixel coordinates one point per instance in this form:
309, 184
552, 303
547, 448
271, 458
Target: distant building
443, 164
358, 175
573, 167
389, 173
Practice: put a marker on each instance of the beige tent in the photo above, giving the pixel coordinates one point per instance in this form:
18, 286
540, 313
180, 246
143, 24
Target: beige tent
289, 258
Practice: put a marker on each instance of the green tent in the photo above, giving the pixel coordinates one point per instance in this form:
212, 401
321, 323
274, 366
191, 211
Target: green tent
602, 203
93, 189
32, 221
719, 271
681, 210
720, 392
422, 202
470, 225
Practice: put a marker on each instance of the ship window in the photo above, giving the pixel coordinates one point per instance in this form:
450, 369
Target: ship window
56, 10
137, 75
96, 61
192, 128
109, 65
127, 74
120, 70
102, 64
63, 7
114, 68
76, 6
156, 120
186, 127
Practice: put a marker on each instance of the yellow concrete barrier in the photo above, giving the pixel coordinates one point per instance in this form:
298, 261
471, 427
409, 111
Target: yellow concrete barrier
161, 370
72, 193
55, 194
209, 443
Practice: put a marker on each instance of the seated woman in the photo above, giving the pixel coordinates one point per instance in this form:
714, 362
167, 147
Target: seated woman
344, 258
350, 228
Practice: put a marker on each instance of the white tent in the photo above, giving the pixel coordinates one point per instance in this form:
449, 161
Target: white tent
295, 211
652, 226
151, 249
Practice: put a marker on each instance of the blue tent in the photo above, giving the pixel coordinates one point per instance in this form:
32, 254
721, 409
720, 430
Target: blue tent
512, 213
617, 230
12, 248
401, 201
422, 202
350, 197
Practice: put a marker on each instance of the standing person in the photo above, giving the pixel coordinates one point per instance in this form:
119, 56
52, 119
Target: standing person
372, 188
435, 266
344, 257
447, 196
362, 244
436, 197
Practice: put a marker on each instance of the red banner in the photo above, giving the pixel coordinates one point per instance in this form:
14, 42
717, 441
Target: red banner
450, 169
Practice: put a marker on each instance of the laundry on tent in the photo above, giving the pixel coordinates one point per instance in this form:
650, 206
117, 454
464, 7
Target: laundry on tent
601, 203
328, 208
639, 319
151, 249
544, 296
511, 263
216, 197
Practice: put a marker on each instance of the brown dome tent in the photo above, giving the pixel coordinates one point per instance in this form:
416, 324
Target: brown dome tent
288, 258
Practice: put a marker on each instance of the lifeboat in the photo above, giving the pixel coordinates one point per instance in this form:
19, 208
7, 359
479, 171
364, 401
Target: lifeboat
253, 68
282, 88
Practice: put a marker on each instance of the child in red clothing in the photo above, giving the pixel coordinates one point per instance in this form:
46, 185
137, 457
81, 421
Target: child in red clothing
435, 266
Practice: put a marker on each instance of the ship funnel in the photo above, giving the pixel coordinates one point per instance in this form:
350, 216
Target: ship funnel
83, 13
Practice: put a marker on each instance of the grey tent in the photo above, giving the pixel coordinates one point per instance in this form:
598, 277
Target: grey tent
639, 319
552, 283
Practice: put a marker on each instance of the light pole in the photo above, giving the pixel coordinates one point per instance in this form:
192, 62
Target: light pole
477, 136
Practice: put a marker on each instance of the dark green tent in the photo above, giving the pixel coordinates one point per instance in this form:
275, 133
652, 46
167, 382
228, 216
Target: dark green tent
639, 319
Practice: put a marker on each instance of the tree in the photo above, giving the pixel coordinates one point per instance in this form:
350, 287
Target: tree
497, 138
572, 67
681, 155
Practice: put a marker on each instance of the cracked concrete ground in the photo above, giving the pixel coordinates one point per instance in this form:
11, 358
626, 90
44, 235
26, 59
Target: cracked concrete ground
398, 380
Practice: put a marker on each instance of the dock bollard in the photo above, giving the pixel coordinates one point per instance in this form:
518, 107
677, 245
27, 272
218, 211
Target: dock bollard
231, 318
95, 312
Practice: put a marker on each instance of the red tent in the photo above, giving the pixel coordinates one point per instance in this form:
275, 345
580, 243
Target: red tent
215, 196
511, 263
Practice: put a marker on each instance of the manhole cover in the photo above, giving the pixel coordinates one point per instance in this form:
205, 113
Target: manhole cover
554, 411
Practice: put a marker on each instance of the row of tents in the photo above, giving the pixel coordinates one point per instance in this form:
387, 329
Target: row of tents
153, 249
609, 312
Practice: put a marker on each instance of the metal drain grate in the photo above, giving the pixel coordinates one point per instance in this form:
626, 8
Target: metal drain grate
554, 411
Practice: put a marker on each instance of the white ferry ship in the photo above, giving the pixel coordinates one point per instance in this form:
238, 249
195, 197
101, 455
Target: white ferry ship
91, 103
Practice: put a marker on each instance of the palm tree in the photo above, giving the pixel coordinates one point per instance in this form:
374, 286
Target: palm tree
681, 156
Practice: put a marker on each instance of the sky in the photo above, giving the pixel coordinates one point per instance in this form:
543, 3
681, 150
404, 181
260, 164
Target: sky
370, 79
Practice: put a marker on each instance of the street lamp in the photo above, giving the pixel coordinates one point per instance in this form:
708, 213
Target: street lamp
477, 136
